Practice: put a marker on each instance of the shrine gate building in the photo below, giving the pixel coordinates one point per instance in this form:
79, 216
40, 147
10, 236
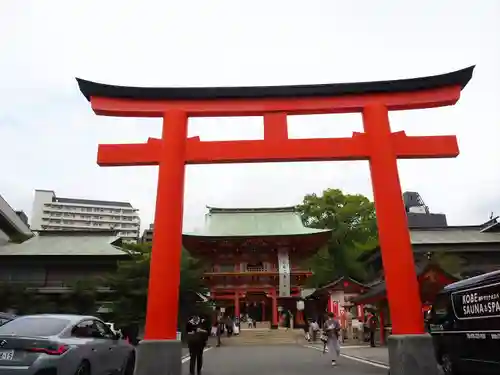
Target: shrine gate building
254, 258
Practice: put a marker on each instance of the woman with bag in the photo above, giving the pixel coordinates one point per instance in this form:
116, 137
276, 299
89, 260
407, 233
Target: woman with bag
330, 337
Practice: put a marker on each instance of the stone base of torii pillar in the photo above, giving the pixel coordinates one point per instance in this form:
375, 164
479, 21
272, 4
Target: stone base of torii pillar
412, 355
156, 357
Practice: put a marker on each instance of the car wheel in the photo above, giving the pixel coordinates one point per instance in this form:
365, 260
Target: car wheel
83, 369
447, 365
130, 365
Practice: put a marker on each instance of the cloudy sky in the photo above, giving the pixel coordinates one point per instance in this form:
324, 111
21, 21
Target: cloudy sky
49, 135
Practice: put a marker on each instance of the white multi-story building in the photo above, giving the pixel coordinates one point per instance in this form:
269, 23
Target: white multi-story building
55, 213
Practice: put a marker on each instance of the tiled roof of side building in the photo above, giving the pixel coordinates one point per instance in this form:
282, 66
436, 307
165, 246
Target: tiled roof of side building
253, 222
452, 235
66, 243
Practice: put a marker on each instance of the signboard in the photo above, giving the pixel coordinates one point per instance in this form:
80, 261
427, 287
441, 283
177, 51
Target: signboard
477, 303
300, 305
333, 307
360, 311
284, 273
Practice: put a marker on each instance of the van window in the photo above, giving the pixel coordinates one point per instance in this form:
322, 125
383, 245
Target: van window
441, 309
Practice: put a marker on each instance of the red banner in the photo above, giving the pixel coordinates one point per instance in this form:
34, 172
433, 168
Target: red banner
360, 311
335, 305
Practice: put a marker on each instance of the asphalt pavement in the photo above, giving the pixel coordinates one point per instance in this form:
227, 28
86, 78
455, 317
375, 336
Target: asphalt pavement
279, 360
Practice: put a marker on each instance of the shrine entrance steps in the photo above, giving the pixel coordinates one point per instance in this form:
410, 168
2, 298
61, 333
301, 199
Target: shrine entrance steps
263, 325
266, 336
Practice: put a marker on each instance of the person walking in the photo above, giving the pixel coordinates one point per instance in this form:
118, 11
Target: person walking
314, 329
197, 329
220, 329
229, 326
331, 331
130, 332
372, 326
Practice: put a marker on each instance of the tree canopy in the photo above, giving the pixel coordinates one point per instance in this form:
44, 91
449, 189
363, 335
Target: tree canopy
354, 230
130, 285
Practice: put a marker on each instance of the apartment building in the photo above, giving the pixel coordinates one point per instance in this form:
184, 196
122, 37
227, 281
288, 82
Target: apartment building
147, 234
51, 212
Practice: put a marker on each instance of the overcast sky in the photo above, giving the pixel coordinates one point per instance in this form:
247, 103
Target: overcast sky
49, 135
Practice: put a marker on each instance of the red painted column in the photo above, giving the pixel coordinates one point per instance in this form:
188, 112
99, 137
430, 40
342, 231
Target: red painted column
275, 309
299, 317
397, 255
164, 277
263, 311
237, 304
330, 305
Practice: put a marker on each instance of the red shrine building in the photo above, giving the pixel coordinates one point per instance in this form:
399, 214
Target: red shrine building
336, 297
255, 259
431, 278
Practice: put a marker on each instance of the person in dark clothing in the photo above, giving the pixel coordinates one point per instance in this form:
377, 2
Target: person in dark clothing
220, 329
372, 326
130, 332
197, 330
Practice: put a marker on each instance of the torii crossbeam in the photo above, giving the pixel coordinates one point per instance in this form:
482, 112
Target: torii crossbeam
377, 144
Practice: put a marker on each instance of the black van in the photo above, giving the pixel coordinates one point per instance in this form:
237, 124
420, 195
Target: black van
465, 326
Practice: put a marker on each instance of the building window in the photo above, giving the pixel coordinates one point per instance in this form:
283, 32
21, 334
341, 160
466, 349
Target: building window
255, 267
226, 268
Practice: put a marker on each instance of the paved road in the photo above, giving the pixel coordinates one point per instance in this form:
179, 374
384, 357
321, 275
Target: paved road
378, 355
278, 360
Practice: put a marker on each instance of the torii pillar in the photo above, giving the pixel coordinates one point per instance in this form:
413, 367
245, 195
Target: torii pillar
410, 349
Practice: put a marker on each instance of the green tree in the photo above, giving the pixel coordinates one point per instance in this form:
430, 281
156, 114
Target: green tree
24, 299
130, 285
81, 298
450, 263
354, 230
27, 299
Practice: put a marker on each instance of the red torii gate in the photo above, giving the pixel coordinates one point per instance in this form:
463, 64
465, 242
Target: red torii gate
377, 144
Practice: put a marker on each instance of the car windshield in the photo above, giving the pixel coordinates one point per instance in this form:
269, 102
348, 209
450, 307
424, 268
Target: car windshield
34, 326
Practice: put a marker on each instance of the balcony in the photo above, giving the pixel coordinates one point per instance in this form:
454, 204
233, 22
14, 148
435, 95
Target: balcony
72, 209
135, 221
256, 273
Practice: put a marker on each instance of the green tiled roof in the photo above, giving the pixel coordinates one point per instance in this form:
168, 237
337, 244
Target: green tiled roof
254, 222
66, 244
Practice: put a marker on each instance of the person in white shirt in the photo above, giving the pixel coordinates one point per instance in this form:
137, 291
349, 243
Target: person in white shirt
332, 331
313, 330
